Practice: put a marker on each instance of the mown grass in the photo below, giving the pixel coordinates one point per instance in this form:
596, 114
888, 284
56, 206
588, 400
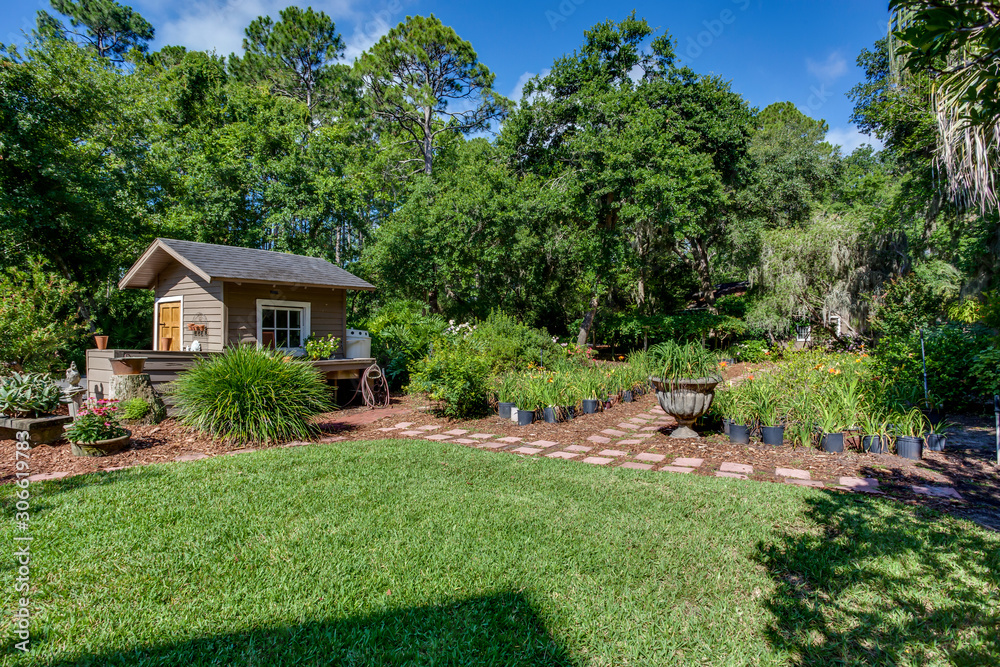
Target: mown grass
417, 553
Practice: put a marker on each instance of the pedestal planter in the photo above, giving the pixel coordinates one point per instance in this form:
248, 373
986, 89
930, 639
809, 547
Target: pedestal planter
525, 417
128, 365
505, 409
739, 434
909, 447
935, 442
685, 401
772, 435
833, 443
590, 406
874, 444
101, 447
550, 415
41, 430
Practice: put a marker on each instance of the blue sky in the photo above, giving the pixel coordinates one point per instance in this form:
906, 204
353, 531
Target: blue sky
801, 51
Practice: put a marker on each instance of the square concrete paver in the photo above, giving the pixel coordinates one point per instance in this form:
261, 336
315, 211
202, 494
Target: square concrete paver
611, 431
804, 482
858, 482
389, 428
526, 450
639, 420
675, 469
599, 439
510, 439
734, 475
411, 433
628, 426
481, 436
466, 441
643, 435
736, 467
438, 436
598, 460
578, 448
192, 456
636, 466
45, 476
649, 456
562, 455
650, 428
428, 428
403, 425
688, 463
456, 431
792, 473
494, 445
937, 491
611, 452
544, 444
630, 442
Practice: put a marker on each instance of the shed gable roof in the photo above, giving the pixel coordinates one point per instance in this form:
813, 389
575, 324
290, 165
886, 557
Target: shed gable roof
220, 262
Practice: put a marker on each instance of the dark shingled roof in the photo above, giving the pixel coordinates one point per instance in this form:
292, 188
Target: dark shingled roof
219, 262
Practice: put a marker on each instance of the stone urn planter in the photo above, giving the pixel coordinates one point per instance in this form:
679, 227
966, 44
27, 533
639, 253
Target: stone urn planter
101, 447
41, 430
685, 401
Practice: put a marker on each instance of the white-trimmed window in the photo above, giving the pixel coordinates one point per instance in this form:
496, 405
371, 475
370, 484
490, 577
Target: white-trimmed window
803, 333
834, 321
286, 323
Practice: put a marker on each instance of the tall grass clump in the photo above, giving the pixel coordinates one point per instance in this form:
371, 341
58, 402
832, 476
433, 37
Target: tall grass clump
251, 395
690, 361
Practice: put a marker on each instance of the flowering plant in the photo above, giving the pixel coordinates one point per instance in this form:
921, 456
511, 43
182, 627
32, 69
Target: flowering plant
98, 420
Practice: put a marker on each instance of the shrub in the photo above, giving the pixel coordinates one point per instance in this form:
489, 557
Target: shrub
96, 421
986, 371
249, 394
401, 335
455, 375
751, 351
28, 395
673, 362
506, 344
135, 408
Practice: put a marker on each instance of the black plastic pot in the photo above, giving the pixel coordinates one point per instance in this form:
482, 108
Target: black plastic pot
505, 409
590, 406
627, 397
773, 435
873, 444
525, 417
569, 412
550, 415
934, 416
739, 434
909, 447
833, 443
935, 442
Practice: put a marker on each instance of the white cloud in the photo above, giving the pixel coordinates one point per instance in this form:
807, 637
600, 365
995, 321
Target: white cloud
849, 138
518, 92
831, 69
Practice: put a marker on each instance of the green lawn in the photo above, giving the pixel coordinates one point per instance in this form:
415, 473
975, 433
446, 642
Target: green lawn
419, 553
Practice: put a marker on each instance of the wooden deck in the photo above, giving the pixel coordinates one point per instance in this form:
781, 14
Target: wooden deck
164, 367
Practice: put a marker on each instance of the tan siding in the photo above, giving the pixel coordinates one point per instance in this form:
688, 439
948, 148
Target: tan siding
202, 305
327, 311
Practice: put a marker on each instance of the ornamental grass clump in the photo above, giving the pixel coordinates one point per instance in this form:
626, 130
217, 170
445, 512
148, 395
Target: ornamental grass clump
251, 395
690, 361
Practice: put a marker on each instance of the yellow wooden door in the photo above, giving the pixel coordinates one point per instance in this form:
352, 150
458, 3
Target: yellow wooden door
170, 325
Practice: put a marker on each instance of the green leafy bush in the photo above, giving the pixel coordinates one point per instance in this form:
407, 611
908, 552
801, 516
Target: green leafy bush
28, 395
456, 376
986, 371
401, 335
751, 351
251, 395
506, 344
135, 408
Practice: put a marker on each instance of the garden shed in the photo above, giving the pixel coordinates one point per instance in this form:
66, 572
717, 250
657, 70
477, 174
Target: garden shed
208, 297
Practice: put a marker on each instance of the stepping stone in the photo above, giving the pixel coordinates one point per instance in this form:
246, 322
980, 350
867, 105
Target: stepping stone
403, 425
456, 431
481, 436
649, 456
437, 436
578, 448
245, 450
526, 450
858, 489
736, 467
734, 475
793, 473
389, 428
639, 420
650, 428
45, 476
601, 440
597, 460
630, 442
510, 440
657, 411
643, 435
937, 491
299, 443
628, 425
428, 428
805, 482
544, 444
411, 434
113, 469
611, 431
688, 463
860, 483
636, 466
611, 452
676, 469
562, 455
193, 456
494, 445
466, 441
337, 438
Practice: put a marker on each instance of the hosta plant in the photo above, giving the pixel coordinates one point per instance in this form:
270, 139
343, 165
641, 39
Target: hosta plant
28, 395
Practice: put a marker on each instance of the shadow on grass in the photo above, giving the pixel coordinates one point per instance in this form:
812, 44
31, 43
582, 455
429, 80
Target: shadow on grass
498, 629
879, 587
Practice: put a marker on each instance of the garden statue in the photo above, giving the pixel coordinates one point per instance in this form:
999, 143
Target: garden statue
196, 345
72, 375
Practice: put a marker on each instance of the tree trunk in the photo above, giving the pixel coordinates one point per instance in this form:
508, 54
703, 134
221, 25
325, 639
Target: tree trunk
126, 387
588, 321
700, 262
427, 146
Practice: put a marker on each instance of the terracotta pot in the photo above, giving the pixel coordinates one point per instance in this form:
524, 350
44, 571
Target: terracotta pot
101, 447
128, 365
102, 342
165, 343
